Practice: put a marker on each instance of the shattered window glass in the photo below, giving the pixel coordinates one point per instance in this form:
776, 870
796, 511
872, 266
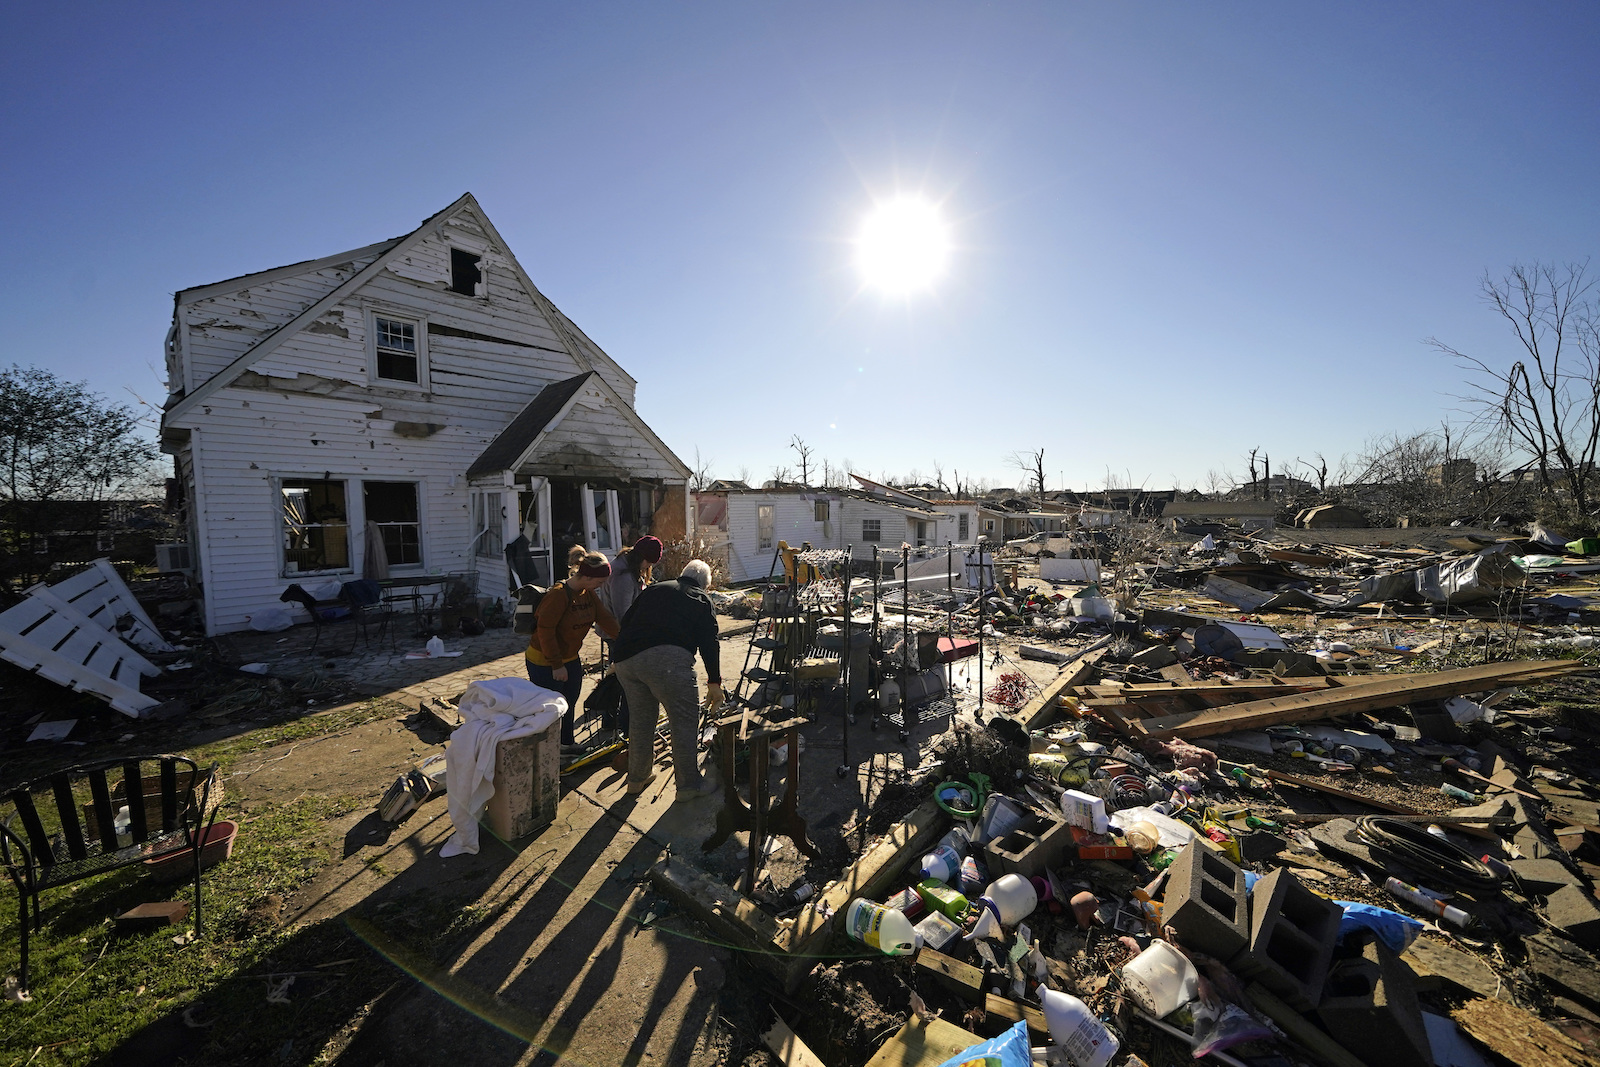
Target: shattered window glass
316, 530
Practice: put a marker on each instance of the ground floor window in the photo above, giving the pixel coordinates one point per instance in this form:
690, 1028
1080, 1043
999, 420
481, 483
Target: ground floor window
316, 526
872, 530
763, 527
961, 527
393, 506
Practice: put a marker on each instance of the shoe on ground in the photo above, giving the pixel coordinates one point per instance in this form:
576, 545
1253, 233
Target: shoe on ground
641, 785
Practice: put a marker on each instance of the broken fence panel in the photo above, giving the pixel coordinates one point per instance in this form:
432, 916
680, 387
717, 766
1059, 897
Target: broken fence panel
63, 645
99, 594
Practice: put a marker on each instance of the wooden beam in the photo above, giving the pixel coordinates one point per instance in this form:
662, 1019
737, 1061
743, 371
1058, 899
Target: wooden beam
1043, 709
1010, 1010
923, 1043
1387, 693
721, 907
790, 1050
869, 876
1345, 794
962, 979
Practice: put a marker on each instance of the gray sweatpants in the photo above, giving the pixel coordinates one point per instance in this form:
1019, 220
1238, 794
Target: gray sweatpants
663, 675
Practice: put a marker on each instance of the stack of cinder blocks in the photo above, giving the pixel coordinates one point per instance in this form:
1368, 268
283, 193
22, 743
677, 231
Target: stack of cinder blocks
1281, 935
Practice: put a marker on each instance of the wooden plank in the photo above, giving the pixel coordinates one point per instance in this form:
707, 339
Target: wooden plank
1390, 692
1518, 1036
787, 1046
962, 979
1345, 794
1043, 709
721, 907
1011, 1011
923, 1043
1322, 1048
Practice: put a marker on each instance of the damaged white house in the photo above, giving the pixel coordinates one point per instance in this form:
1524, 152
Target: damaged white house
412, 408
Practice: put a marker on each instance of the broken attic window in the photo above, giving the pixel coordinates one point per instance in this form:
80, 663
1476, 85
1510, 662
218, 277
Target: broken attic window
872, 530
464, 272
393, 506
316, 531
397, 350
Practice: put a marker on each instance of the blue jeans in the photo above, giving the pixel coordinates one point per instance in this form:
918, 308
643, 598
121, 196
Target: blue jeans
545, 678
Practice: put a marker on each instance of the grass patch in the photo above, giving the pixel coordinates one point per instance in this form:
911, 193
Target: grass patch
318, 724
92, 988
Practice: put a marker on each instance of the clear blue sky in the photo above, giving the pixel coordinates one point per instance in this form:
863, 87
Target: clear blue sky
1183, 230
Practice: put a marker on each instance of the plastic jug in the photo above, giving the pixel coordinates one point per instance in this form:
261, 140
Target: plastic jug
885, 929
1001, 815
1161, 979
943, 864
1008, 900
1084, 1039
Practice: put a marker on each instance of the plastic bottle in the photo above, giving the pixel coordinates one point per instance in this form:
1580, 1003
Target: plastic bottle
1084, 1039
1429, 904
1455, 792
956, 838
889, 697
122, 821
1057, 769
1086, 811
1008, 900
943, 863
1143, 837
941, 898
973, 876
885, 929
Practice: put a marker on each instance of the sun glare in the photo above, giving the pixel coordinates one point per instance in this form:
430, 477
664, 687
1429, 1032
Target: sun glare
904, 246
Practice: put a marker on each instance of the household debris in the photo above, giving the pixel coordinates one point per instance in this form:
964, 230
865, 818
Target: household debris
1328, 835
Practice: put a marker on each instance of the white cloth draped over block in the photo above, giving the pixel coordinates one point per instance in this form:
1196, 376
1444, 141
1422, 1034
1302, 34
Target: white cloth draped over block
495, 710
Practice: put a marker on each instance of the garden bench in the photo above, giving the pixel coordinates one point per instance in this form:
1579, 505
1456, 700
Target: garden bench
66, 825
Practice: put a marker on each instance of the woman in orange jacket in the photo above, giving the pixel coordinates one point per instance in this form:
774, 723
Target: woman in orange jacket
563, 619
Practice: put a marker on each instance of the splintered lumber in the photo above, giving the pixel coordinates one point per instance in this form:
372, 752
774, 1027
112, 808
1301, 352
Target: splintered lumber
721, 907
1436, 963
1518, 1036
923, 1043
1044, 709
1385, 693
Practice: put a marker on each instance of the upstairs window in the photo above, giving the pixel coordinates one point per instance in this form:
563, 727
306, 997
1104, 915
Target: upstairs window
398, 359
872, 530
465, 274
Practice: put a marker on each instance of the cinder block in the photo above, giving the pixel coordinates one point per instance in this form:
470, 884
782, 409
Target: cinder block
1573, 910
1370, 1007
1030, 848
1292, 931
1205, 902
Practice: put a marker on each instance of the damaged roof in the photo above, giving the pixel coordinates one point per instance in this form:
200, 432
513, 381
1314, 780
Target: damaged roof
512, 442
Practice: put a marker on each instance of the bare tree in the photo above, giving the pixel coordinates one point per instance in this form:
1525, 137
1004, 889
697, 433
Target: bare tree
1218, 483
804, 451
1255, 477
744, 474
700, 473
1032, 465
938, 476
781, 476
1319, 470
1545, 405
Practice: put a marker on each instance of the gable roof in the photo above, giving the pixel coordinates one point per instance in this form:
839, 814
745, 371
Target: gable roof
509, 445
391, 250
521, 438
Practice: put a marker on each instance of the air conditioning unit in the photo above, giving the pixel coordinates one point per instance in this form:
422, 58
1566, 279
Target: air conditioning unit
174, 559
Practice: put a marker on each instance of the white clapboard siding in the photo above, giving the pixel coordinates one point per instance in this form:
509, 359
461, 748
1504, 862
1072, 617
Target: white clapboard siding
100, 595
62, 645
219, 329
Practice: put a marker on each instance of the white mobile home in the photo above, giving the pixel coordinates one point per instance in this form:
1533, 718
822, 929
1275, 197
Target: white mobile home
412, 408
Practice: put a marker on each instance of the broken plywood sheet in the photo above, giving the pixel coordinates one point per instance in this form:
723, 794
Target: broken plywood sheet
61, 644
923, 1043
1518, 1036
100, 595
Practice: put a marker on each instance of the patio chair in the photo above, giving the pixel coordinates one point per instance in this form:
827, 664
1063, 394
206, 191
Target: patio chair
64, 839
367, 605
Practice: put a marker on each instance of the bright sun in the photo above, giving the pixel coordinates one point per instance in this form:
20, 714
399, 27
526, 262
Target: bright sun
903, 246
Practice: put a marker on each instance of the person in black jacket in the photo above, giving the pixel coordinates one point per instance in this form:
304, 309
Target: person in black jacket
654, 653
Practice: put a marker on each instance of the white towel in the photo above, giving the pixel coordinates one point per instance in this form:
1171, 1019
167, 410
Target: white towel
495, 710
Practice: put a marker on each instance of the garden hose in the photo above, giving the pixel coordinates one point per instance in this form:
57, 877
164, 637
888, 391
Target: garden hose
978, 788
1434, 858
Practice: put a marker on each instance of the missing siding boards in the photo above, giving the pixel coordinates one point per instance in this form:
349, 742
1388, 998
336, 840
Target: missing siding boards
439, 330
465, 275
